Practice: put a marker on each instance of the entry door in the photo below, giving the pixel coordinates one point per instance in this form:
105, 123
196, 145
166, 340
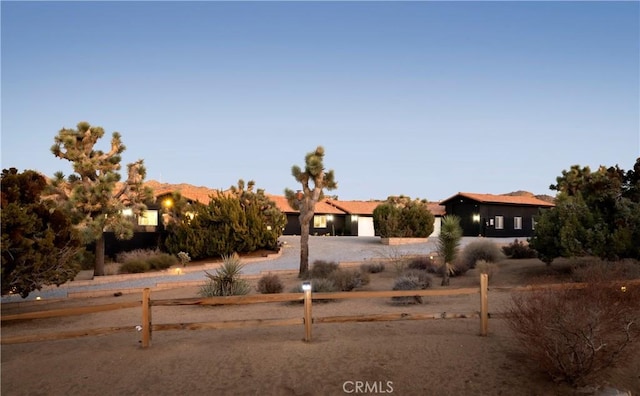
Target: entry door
365, 226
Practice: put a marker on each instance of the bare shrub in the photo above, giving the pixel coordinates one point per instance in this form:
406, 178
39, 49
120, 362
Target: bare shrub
372, 268
423, 263
269, 284
424, 280
574, 334
322, 269
480, 249
487, 268
347, 279
595, 269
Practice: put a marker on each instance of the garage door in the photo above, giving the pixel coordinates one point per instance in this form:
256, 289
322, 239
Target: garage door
365, 226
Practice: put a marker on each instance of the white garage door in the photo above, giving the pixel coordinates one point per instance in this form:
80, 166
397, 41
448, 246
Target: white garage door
365, 226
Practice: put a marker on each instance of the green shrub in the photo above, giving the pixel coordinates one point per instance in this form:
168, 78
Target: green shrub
347, 280
162, 261
135, 266
372, 268
226, 280
519, 250
480, 249
404, 282
403, 217
270, 284
322, 269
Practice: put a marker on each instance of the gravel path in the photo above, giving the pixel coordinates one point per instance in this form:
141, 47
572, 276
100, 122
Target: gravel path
338, 249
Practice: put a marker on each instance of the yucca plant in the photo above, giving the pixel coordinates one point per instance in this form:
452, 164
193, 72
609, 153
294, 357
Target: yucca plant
226, 280
448, 243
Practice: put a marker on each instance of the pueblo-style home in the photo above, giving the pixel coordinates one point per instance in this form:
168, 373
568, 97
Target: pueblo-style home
495, 215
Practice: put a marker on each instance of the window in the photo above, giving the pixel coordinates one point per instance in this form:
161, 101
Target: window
148, 218
320, 221
499, 222
517, 223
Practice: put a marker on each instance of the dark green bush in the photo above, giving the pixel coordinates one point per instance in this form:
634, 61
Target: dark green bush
322, 269
270, 284
519, 250
402, 217
135, 266
480, 249
348, 279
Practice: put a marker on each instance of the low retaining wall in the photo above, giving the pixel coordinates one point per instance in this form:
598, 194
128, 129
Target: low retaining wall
402, 241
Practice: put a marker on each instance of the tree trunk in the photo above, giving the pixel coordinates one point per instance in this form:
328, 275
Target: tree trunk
304, 249
99, 267
445, 275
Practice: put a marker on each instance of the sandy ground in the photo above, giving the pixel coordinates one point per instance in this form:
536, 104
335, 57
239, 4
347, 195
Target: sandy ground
426, 357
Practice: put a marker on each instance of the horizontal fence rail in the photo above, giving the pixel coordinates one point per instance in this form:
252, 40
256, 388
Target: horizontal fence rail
147, 327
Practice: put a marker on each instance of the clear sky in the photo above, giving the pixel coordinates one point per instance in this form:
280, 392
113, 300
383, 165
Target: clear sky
424, 99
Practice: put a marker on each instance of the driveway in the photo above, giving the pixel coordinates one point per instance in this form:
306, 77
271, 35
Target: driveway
338, 249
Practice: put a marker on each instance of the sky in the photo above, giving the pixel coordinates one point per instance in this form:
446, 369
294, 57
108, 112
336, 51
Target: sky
423, 99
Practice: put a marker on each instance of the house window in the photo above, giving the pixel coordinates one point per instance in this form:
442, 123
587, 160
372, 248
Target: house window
499, 222
320, 221
517, 223
148, 218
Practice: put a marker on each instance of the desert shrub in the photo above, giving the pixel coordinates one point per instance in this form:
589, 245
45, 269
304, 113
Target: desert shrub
144, 260
161, 261
574, 334
594, 269
270, 284
408, 281
372, 268
319, 285
424, 280
348, 279
519, 250
423, 263
322, 269
480, 249
226, 280
487, 268
135, 266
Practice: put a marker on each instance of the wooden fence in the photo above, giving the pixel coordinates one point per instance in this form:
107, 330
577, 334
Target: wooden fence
147, 327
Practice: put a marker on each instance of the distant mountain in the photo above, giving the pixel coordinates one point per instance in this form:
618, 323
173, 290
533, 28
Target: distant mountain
522, 193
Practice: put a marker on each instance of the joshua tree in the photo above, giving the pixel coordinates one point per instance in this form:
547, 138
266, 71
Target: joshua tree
448, 242
93, 194
305, 200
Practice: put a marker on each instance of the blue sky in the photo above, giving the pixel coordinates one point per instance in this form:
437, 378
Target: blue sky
424, 99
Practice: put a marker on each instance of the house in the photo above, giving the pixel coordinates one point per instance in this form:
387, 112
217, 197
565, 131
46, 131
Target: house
327, 220
358, 216
497, 216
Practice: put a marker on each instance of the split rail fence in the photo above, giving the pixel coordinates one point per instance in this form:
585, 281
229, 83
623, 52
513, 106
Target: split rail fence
147, 327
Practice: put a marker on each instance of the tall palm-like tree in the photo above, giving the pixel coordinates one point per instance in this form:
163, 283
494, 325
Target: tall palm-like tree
448, 244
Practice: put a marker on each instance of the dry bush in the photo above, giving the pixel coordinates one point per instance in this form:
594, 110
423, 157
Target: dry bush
372, 268
322, 269
349, 279
519, 250
269, 284
574, 334
487, 268
480, 249
590, 269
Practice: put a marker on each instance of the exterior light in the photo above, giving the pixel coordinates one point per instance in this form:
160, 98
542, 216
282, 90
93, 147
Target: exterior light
476, 218
38, 298
306, 286
167, 203
330, 217
127, 212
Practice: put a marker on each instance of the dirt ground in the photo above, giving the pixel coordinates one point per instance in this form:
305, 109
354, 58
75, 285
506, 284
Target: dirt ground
423, 357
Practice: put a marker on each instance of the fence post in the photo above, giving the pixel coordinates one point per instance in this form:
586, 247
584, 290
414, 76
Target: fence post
484, 304
307, 314
146, 317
